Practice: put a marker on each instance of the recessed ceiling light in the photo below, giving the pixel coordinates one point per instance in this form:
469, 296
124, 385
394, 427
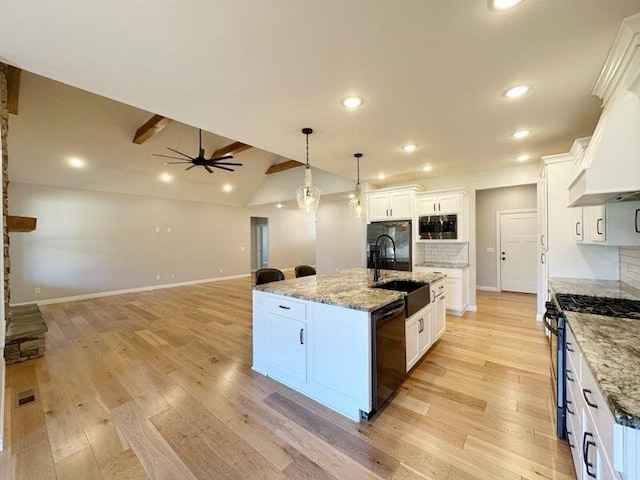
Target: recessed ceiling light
76, 162
166, 177
504, 4
352, 195
521, 134
352, 101
227, 187
427, 168
523, 158
517, 91
279, 205
410, 147
381, 176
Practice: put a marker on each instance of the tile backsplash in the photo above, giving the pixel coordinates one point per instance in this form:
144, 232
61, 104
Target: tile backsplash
442, 252
630, 266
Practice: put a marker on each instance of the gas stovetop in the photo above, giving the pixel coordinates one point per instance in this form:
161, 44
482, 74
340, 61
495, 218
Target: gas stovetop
612, 307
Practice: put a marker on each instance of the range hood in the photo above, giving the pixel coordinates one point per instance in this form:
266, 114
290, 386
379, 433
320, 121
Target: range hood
612, 160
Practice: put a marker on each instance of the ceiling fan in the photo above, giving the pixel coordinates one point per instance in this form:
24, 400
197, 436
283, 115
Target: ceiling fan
200, 160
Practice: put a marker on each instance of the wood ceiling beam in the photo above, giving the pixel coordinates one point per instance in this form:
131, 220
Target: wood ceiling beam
150, 128
235, 147
281, 167
13, 88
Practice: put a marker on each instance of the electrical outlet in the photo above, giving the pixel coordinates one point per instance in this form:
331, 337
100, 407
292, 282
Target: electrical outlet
36, 290
157, 277
169, 230
491, 250
157, 229
173, 275
242, 249
221, 270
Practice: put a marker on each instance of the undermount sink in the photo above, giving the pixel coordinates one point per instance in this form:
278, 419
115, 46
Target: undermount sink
417, 294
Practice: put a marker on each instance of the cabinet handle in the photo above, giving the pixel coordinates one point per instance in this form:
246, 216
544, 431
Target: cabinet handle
434, 207
542, 239
542, 258
577, 229
568, 377
569, 402
569, 349
284, 307
586, 444
637, 224
569, 433
598, 226
584, 394
386, 212
302, 336
439, 207
391, 212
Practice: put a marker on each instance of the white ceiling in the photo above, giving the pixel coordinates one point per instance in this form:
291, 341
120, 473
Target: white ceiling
432, 72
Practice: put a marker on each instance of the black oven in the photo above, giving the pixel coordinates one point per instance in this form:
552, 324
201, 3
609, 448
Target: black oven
555, 322
438, 227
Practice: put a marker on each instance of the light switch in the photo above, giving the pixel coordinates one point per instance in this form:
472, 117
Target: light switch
491, 250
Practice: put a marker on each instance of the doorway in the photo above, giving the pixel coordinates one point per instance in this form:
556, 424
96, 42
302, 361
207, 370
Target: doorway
259, 243
517, 248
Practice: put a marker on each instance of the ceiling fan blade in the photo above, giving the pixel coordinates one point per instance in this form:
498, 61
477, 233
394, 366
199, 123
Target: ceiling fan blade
223, 168
189, 168
173, 163
167, 156
226, 163
200, 142
208, 169
221, 158
179, 153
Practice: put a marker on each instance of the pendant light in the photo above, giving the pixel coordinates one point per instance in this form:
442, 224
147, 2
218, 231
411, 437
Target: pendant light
308, 196
355, 205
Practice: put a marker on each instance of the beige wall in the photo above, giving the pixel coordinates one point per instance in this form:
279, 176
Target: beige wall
340, 241
487, 203
88, 242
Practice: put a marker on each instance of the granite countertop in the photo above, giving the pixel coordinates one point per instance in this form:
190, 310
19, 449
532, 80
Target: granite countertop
611, 346
442, 265
347, 288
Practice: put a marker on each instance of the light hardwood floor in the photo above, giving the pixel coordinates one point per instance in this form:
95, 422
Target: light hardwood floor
159, 385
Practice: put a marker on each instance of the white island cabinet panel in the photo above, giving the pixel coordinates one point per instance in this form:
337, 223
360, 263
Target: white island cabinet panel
340, 364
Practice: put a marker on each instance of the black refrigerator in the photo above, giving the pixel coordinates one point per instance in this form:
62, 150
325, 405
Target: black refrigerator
401, 234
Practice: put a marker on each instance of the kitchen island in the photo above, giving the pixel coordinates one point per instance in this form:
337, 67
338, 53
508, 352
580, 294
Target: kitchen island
603, 381
315, 334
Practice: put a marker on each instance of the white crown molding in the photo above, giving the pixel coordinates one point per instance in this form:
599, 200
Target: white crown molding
619, 58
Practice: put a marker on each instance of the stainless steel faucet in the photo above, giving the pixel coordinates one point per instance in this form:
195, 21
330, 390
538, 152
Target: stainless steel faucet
376, 256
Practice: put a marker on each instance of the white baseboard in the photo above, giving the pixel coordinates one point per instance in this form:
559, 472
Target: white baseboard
89, 296
472, 308
538, 317
487, 289
2, 404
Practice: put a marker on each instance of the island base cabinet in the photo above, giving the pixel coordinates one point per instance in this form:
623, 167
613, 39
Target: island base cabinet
418, 335
322, 351
440, 318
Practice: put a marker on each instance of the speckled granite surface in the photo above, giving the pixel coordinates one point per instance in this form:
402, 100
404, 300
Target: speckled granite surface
594, 288
347, 288
442, 265
611, 346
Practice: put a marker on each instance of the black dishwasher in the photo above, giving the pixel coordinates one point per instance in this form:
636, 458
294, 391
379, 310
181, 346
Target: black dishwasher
389, 353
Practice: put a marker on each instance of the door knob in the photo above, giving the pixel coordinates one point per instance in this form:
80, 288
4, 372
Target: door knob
504, 258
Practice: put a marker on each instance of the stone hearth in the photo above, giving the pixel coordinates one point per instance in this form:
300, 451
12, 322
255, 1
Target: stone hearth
26, 334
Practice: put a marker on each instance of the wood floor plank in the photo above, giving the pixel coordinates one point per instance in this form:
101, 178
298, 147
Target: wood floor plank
124, 466
35, 462
81, 464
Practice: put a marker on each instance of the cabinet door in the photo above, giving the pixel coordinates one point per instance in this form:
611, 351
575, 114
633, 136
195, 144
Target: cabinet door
440, 318
448, 203
288, 347
400, 205
413, 349
578, 224
542, 209
454, 293
378, 206
597, 224
426, 205
424, 332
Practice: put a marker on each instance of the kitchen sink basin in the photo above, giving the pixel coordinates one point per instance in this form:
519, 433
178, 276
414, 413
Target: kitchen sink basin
417, 294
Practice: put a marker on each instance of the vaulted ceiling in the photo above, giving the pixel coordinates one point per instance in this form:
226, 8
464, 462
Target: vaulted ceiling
430, 72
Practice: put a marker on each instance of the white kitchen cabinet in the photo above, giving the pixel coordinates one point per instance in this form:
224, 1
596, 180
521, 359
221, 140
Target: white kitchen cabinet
391, 204
439, 315
614, 224
418, 335
456, 285
288, 347
438, 204
578, 224
597, 223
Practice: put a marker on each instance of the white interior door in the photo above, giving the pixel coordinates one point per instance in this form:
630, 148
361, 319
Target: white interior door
262, 246
518, 252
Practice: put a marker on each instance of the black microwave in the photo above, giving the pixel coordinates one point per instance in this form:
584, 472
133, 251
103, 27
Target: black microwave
438, 227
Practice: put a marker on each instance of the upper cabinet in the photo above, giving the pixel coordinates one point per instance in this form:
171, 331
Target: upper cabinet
391, 204
616, 224
427, 204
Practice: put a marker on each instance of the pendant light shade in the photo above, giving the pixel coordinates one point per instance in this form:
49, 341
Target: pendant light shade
308, 195
356, 204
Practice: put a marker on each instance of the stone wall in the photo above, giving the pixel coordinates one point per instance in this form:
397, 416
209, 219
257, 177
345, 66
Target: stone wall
4, 128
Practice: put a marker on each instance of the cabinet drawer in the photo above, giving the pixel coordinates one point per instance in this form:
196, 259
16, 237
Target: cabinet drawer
574, 435
596, 406
286, 308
